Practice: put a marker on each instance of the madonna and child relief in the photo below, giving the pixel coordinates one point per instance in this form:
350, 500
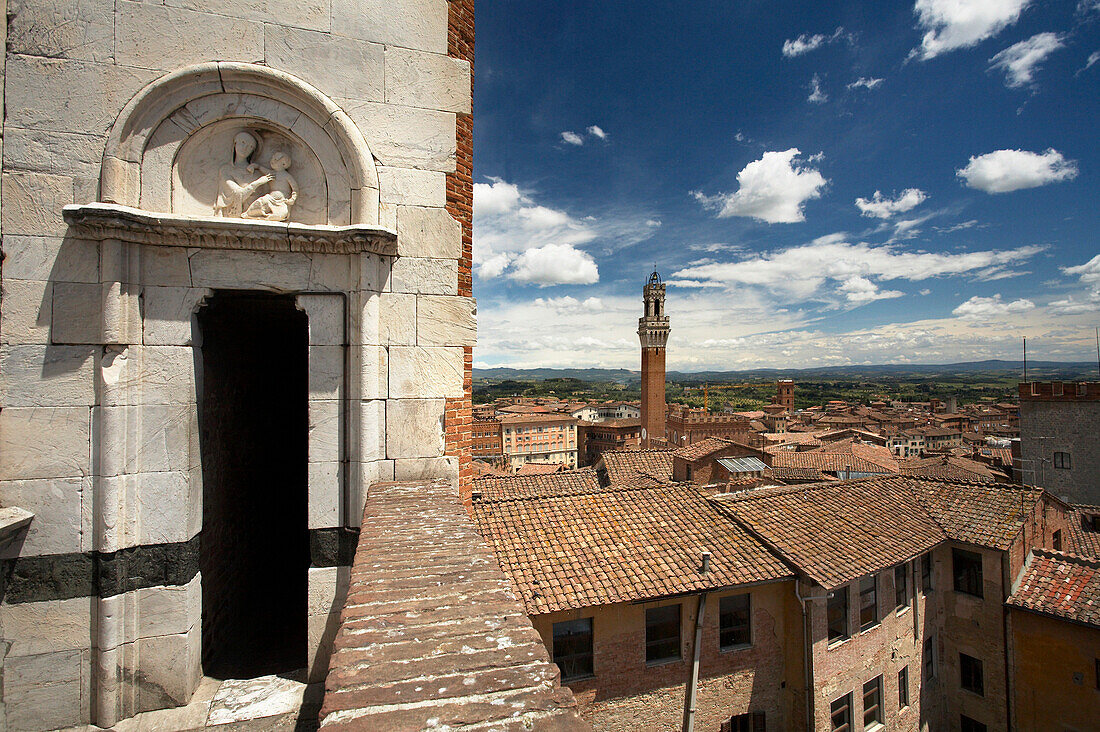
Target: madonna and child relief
242, 179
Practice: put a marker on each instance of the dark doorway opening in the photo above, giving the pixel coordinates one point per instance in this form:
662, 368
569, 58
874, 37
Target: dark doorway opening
254, 431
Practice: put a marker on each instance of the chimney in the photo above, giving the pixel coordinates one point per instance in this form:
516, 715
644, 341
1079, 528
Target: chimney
706, 563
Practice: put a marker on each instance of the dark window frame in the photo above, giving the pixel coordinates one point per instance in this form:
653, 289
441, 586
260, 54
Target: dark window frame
866, 606
927, 585
929, 652
573, 664
653, 644
901, 586
1063, 461
873, 689
968, 724
903, 688
971, 674
732, 627
839, 599
843, 707
966, 569
747, 722
1056, 540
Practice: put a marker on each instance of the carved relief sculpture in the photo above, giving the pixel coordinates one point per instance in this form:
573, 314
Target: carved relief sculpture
275, 205
237, 180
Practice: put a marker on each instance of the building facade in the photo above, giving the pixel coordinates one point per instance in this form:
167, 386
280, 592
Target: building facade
539, 438
596, 438
1059, 450
653, 331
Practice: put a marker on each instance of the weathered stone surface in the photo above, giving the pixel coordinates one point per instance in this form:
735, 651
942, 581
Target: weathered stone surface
47, 376
161, 507
372, 429
162, 266
245, 270
157, 37
26, 313
42, 627
55, 503
414, 428
77, 313
426, 468
428, 80
48, 151
326, 319
331, 273
446, 321
325, 445
419, 373
312, 14
428, 232
82, 29
168, 314
409, 23
242, 700
43, 691
147, 375
50, 258
406, 136
328, 588
326, 372
412, 187
396, 319
44, 442
373, 372
425, 276
32, 203
170, 669
324, 495
169, 610
340, 67
152, 438
374, 271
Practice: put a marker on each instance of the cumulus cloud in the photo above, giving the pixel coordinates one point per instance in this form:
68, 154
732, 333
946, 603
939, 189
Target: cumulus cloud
1002, 171
861, 290
555, 264
1092, 59
954, 24
596, 131
866, 83
817, 96
881, 207
771, 189
990, 308
1089, 272
1020, 60
806, 43
572, 138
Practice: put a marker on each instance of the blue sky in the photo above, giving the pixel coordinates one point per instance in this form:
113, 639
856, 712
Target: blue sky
819, 183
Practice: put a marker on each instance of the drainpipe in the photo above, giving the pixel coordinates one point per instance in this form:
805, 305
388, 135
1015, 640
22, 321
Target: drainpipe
807, 653
689, 702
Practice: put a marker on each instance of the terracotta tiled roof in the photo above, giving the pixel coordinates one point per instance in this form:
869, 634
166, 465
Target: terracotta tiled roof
826, 461
1084, 534
944, 467
876, 454
1063, 585
840, 531
701, 449
526, 418
638, 467
539, 469
618, 545
803, 474
582, 480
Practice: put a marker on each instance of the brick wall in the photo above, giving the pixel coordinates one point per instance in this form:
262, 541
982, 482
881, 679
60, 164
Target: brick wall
460, 204
653, 395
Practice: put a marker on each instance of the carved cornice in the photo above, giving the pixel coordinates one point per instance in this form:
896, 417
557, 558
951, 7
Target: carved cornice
101, 221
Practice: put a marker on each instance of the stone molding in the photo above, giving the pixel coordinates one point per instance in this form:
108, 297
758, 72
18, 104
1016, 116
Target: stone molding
103, 221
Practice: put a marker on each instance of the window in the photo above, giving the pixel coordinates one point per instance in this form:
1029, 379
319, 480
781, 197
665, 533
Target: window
1056, 540
968, 572
662, 634
930, 657
872, 704
926, 573
1061, 460
751, 722
970, 674
573, 648
841, 713
903, 688
735, 621
901, 586
970, 725
838, 614
868, 602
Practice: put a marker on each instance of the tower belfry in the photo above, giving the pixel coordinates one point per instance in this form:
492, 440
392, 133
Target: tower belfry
653, 333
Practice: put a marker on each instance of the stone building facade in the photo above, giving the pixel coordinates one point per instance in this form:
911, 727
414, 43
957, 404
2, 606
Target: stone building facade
179, 181
1058, 446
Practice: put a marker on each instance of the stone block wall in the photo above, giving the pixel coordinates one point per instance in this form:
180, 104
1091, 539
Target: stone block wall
1061, 425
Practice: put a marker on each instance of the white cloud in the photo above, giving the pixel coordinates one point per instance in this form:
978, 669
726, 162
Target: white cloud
817, 96
861, 290
806, 43
555, 264
1071, 306
493, 266
1020, 60
866, 83
771, 189
1092, 59
1089, 272
881, 207
1002, 171
990, 308
926, 292
954, 24
572, 138
595, 131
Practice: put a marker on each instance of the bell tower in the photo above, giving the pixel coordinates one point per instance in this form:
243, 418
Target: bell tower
653, 334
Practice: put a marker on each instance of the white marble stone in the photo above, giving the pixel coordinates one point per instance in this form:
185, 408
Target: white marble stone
407, 137
142, 40
82, 29
217, 268
78, 314
373, 372
427, 80
325, 443
420, 373
331, 273
414, 428
168, 314
44, 442
47, 376
428, 232
161, 266
32, 203
147, 375
410, 187
396, 319
55, 503
328, 588
325, 314
244, 700
324, 495
446, 321
321, 633
313, 14
408, 23
159, 508
169, 610
372, 429
374, 272
415, 469
43, 691
326, 372
425, 276
327, 61
26, 312
43, 627
153, 438
170, 669
70, 154
50, 258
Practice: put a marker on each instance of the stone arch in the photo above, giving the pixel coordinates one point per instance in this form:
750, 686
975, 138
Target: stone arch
163, 109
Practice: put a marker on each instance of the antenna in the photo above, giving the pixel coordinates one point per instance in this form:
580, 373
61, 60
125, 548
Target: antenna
1098, 351
1025, 359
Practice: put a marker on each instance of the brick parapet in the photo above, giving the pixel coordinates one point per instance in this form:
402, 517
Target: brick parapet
1071, 391
432, 634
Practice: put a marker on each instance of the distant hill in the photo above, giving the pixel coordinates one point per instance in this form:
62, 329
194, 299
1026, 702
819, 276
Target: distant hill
1036, 370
